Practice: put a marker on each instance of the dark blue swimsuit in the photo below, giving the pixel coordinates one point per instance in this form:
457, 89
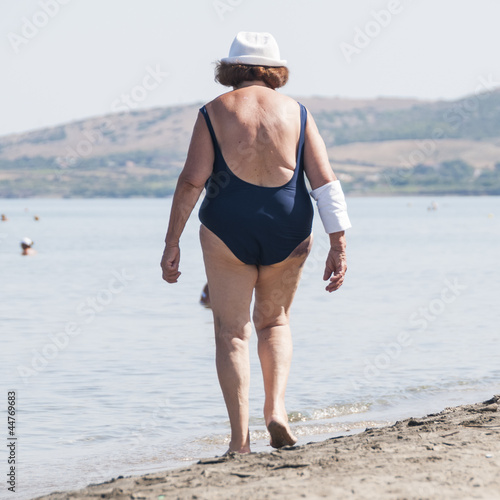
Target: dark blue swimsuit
260, 225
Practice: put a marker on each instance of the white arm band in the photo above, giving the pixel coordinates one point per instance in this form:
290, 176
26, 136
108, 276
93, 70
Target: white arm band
332, 207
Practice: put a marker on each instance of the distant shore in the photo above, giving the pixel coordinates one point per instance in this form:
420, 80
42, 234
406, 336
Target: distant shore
451, 454
349, 194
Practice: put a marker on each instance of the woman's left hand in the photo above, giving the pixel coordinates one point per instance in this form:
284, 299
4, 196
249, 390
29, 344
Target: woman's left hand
170, 263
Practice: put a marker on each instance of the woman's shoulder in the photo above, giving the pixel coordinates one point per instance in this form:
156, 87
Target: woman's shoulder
220, 99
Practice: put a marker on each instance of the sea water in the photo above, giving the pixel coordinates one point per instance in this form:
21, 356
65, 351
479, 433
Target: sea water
114, 369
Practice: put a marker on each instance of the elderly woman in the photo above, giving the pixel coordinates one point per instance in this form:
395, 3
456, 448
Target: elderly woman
250, 149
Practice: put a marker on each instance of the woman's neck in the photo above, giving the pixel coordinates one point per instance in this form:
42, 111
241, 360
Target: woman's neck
258, 83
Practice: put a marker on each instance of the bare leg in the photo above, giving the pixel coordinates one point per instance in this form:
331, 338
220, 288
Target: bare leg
274, 292
231, 285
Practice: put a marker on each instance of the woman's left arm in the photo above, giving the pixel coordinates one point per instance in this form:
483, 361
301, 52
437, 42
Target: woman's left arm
320, 173
196, 171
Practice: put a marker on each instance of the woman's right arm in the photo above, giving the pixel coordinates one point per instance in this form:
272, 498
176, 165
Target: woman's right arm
196, 171
319, 173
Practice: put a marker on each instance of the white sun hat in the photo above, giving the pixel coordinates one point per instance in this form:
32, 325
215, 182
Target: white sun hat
26, 241
256, 49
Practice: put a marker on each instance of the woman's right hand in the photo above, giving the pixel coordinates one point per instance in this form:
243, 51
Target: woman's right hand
170, 263
336, 263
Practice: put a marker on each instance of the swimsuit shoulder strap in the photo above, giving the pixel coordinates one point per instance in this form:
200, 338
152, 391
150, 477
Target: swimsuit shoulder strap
204, 112
303, 122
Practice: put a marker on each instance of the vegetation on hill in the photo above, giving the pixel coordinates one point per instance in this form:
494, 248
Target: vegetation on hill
475, 117
451, 177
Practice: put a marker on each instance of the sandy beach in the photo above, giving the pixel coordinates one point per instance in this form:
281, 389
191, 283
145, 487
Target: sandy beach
451, 454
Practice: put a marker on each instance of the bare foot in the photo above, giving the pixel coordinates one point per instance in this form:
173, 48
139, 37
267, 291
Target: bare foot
242, 450
281, 435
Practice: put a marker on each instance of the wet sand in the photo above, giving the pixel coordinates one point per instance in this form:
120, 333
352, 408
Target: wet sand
451, 454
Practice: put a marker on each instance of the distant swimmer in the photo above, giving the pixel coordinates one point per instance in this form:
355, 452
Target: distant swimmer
26, 244
4, 217
36, 217
205, 296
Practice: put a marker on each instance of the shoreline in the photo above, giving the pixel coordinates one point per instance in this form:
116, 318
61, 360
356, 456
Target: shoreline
451, 454
351, 194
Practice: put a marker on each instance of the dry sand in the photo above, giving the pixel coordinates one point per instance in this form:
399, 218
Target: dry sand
452, 454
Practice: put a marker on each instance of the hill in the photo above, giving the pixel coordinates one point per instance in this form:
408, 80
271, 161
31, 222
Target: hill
379, 146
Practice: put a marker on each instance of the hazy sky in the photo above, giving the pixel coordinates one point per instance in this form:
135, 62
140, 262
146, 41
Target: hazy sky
69, 59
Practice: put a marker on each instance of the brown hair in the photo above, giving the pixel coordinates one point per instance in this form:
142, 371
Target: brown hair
233, 75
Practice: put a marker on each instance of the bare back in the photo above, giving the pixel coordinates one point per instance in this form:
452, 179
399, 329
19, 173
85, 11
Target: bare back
258, 132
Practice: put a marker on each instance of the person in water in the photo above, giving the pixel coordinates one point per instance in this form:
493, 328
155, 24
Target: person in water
252, 148
26, 244
205, 296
